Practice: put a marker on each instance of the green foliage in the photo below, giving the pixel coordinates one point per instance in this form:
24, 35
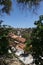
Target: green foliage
37, 41
34, 44
28, 41
28, 46
4, 44
4, 40
7, 4
26, 35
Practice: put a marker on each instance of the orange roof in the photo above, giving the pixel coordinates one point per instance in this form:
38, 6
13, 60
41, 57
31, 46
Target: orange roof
20, 46
18, 38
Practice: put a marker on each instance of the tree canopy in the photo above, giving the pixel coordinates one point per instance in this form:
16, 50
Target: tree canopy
7, 4
30, 3
37, 41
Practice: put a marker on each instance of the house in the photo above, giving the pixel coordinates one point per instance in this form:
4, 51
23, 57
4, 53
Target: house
20, 46
19, 52
18, 43
28, 60
17, 38
20, 49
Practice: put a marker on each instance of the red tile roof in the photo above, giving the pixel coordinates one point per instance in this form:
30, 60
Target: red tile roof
18, 38
20, 46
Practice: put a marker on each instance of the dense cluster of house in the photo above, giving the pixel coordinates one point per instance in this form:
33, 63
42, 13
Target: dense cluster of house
19, 41
18, 46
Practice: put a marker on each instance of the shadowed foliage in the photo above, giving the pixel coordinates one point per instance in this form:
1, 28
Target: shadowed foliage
6, 6
30, 4
37, 41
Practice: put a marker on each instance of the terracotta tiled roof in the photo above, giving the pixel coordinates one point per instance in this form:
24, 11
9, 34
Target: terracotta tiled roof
18, 38
20, 46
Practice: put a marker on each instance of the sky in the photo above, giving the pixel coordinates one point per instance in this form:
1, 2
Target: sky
20, 18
